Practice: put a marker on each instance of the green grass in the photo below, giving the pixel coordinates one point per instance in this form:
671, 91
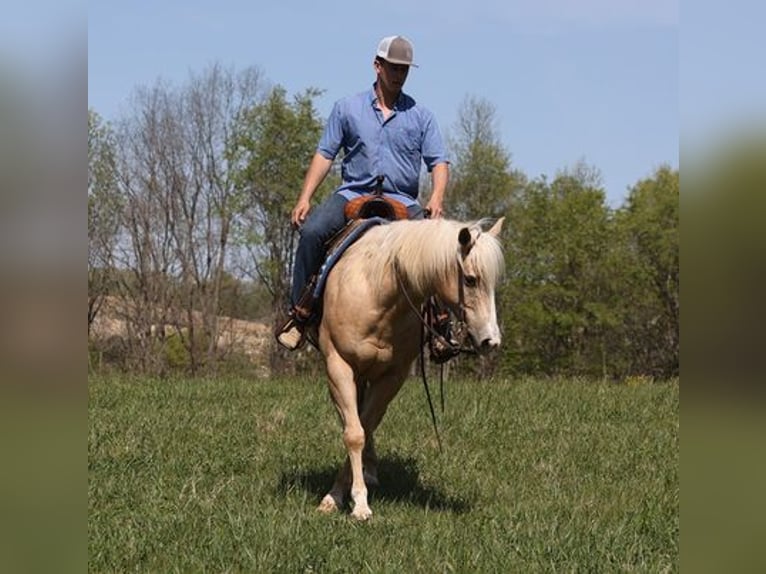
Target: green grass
537, 476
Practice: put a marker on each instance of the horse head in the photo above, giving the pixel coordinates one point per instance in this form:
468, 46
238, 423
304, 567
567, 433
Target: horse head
470, 292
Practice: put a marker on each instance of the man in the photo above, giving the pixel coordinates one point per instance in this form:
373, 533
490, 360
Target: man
383, 132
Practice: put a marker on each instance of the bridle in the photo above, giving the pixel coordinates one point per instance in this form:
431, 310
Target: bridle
423, 313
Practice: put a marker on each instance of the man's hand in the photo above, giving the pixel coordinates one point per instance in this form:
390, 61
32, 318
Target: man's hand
434, 208
300, 212
318, 170
440, 176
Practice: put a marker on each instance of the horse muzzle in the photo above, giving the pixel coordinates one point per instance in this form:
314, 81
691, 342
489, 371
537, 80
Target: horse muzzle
486, 341
489, 344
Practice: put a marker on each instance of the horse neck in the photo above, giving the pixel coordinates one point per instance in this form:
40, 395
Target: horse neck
425, 253
421, 278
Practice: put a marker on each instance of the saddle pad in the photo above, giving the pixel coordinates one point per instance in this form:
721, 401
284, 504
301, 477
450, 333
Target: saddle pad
337, 252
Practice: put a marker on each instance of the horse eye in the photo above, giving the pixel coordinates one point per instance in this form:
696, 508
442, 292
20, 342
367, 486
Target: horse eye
470, 280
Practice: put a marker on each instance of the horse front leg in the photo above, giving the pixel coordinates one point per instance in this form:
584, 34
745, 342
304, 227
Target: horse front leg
353, 436
336, 497
344, 393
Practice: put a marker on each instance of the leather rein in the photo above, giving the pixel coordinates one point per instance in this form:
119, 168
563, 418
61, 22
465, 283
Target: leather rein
427, 327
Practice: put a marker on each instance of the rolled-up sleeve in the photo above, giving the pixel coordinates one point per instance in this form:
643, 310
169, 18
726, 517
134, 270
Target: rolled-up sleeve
434, 150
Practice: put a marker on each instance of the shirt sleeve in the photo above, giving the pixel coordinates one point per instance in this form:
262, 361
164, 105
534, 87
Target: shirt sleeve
332, 138
434, 150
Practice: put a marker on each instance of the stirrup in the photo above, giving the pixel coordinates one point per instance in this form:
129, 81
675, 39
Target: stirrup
292, 335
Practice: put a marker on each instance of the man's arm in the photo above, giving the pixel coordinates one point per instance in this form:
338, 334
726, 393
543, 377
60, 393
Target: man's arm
317, 171
439, 179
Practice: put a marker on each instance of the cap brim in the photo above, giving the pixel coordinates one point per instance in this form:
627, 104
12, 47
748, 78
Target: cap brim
400, 62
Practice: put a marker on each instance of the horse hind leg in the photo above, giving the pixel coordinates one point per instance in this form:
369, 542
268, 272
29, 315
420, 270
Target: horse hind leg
369, 456
336, 497
376, 400
370, 461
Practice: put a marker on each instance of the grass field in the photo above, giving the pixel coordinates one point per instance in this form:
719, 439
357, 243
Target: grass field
537, 476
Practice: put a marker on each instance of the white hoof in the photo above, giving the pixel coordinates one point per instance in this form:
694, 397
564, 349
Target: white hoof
327, 505
361, 513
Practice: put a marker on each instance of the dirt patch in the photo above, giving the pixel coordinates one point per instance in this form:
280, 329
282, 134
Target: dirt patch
249, 338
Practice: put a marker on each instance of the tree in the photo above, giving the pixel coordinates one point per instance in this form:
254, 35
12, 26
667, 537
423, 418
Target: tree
648, 227
556, 301
103, 211
177, 178
481, 180
204, 209
275, 143
146, 173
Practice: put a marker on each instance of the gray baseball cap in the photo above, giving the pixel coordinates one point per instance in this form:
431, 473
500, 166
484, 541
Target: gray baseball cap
396, 49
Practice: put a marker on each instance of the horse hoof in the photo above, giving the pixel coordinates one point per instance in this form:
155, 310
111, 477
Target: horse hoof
327, 505
361, 514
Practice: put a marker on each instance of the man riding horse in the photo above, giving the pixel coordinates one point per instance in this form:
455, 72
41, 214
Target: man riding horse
385, 136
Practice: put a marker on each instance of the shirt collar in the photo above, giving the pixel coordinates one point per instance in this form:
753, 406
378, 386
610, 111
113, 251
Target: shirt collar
373, 97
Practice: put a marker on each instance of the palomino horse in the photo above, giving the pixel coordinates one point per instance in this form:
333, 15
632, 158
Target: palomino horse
370, 333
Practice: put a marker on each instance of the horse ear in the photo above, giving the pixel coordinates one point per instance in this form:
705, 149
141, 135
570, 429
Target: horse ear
495, 229
466, 240
464, 237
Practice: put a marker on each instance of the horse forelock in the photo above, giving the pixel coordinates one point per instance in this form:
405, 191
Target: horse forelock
487, 255
428, 250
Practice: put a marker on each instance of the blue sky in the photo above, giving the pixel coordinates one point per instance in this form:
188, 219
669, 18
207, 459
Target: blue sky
723, 71
592, 80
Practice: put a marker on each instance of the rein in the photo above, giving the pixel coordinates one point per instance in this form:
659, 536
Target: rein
428, 391
427, 327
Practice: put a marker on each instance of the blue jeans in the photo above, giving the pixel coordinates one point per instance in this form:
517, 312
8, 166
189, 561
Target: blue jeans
323, 222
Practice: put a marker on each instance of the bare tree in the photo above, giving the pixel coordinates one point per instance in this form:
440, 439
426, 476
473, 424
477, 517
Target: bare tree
180, 199
204, 208
103, 208
145, 249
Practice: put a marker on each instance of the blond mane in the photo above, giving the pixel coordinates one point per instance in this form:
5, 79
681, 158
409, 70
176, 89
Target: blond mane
428, 250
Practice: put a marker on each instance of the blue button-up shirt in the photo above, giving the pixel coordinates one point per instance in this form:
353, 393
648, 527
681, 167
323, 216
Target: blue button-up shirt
393, 147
